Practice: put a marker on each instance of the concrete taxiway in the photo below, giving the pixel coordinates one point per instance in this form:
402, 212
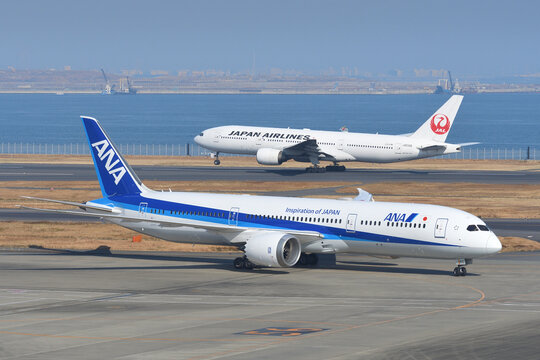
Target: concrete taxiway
61, 172
65, 305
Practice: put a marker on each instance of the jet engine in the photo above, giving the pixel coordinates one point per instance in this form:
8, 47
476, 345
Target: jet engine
273, 249
267, 156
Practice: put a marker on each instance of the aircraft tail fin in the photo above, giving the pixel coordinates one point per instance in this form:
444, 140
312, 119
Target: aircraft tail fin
438, 125
114, 174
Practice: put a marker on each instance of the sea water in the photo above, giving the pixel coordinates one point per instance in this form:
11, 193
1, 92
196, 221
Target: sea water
492, 119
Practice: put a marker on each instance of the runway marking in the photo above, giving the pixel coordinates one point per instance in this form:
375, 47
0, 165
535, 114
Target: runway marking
281, 331
39, 174
22, 301
119, 338
354, 327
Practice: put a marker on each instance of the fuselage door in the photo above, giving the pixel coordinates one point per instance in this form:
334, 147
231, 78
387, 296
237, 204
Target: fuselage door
351, 223
233, 216
440, 228
142, 209
340, 143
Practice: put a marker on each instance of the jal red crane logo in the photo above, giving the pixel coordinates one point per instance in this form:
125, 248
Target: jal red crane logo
440, 124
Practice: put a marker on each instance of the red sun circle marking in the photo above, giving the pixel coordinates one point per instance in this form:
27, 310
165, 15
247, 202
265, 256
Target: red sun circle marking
440, 124
425, 218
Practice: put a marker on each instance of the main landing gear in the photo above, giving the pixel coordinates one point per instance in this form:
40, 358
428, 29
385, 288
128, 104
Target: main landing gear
243, 263
216, 158
335, 167
315, 169
460, 269
307, 260
329, 168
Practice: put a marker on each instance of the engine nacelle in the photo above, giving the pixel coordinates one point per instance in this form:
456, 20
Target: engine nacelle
267, 156
273, 249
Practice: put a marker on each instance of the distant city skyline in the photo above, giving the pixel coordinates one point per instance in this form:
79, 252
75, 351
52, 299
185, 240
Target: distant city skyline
471, 38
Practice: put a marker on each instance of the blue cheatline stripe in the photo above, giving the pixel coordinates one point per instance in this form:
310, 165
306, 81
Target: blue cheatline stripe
411, 217
131, 202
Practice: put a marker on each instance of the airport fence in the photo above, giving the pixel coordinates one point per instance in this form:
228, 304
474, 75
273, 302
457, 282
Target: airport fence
501, 152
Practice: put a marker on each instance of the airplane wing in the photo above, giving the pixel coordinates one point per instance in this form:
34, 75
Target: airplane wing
311, 150
304, 148
178, 222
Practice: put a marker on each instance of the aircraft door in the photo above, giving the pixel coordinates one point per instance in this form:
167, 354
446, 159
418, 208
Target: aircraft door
233, 216
340, 143
440, 228
351, 223
142, 208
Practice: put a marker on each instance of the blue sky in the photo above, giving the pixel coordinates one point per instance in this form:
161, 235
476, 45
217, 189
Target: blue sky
484, 38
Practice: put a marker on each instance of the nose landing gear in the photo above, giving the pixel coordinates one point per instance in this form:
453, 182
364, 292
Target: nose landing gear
460, 269
216, 158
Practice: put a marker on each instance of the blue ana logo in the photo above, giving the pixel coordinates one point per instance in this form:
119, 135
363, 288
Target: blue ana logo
102, 153
400, 217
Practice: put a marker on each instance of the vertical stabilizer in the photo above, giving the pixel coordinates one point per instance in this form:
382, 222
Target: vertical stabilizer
114, 174
438, 125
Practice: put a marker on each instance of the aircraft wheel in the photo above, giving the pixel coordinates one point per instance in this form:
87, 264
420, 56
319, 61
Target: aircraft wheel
303, 261
217, 162
248, 265
462, 271
238, 263
312, 259
456, 271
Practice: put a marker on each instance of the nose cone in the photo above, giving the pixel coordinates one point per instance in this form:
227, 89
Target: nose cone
493, 245
198, 139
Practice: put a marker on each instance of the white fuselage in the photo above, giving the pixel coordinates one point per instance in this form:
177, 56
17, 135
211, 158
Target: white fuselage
338, 146
375, 228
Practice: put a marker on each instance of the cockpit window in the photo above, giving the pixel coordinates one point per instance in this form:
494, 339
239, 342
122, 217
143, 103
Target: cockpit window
201, 134
483, 228
472, 228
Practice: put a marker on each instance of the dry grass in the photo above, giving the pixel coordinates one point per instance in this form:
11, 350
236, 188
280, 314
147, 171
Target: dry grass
11, 191
512, 244
485, 200
81, 236
249, 161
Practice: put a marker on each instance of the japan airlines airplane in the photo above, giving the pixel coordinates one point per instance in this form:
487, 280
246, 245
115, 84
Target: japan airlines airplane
279, 231
274, 146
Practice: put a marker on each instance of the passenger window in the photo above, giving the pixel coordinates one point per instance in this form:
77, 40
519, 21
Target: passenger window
472, 228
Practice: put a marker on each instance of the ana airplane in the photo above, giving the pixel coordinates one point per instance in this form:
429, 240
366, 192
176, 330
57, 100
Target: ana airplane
274, 146
279, 231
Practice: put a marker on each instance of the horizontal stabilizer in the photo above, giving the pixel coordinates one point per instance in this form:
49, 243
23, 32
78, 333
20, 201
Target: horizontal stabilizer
71, 203
469, 144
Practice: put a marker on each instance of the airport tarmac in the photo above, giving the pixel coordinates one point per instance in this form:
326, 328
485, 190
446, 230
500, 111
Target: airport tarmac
65, 305
63, 172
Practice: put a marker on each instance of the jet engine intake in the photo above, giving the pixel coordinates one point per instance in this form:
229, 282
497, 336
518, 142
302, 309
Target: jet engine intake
267, 156
273, 249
